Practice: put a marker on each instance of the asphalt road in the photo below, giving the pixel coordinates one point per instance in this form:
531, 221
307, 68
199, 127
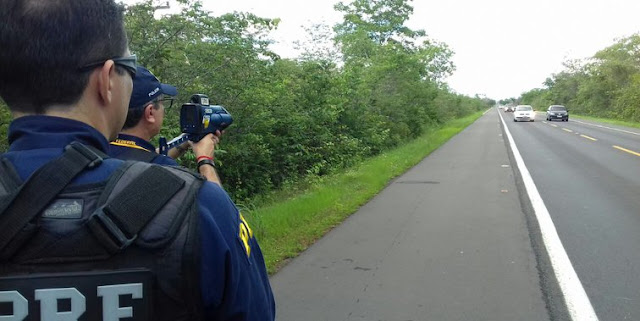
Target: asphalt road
588, 175
448, 240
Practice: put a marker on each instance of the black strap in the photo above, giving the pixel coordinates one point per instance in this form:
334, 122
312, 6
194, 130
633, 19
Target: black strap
10, 183
138, 155
8, 176
117, 223
40, 189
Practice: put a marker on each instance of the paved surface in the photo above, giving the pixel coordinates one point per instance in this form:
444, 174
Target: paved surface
592, 192
447, 240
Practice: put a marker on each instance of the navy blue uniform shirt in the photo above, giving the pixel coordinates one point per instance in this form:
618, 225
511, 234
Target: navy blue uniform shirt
234, 281
126, 142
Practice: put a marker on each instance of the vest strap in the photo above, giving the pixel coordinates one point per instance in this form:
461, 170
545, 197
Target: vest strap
117, 223
8, 177
38, 191
9, 183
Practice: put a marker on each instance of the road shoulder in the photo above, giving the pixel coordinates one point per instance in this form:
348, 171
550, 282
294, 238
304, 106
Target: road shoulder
447, 240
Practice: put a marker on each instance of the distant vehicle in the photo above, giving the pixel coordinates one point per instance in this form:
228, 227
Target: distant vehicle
557, 112
509, 109
524, 113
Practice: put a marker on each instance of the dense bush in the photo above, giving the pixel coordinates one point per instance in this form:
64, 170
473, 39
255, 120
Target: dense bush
381, 86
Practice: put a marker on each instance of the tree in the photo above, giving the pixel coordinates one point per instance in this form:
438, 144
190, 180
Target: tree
603, 85
380, 21
319, 46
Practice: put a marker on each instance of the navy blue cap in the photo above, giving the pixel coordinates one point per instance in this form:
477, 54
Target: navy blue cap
146, 87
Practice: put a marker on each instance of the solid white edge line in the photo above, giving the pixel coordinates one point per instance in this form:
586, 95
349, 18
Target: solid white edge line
578, 304
605, 127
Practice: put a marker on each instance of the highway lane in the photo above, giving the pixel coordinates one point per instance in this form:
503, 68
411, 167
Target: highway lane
626, 138
589, 179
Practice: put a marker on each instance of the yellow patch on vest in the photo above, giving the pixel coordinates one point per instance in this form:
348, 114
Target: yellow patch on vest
127, 143
246, 234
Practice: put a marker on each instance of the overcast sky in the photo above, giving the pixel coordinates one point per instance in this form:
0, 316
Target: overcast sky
502, 47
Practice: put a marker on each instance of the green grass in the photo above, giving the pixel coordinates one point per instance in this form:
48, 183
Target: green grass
608, 121
288, 226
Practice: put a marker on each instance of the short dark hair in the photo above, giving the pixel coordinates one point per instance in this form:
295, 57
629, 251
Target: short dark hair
45, 42
135, 114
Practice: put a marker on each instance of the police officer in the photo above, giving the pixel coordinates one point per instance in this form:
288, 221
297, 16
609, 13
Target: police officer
86, 237
147, 109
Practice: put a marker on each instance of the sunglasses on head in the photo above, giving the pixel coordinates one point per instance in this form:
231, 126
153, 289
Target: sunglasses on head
128, 63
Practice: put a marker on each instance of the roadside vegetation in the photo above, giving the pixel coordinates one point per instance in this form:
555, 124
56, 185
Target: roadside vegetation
359, 88
313, 137
605, 86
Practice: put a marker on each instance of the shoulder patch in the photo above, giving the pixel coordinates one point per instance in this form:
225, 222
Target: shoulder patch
245, 234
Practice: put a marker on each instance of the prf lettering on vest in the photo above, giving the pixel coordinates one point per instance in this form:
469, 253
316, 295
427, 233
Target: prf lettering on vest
111, 310
246, 234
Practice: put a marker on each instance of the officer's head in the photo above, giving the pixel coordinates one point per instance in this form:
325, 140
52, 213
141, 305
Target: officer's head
149, 100
57, 55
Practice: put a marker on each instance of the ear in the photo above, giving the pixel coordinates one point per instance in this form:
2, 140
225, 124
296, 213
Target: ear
105, 82
150, 113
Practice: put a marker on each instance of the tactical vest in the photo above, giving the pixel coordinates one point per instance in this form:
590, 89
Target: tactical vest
126, 248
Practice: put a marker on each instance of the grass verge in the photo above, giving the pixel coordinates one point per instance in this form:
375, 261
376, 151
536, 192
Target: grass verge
288, 226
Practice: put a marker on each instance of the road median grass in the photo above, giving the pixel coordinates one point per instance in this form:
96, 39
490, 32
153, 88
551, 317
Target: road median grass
289, 225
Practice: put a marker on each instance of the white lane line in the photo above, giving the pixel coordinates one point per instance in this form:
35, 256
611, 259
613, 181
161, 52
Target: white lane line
588, 137
567, 130
578, 304
605, 127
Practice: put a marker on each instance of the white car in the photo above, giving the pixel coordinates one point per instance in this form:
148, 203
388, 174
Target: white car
524, 113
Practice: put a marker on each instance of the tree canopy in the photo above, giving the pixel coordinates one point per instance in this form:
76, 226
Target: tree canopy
605, 85
365, 85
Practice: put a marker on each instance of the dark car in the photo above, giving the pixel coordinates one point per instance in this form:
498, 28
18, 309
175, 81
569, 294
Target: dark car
557, 112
